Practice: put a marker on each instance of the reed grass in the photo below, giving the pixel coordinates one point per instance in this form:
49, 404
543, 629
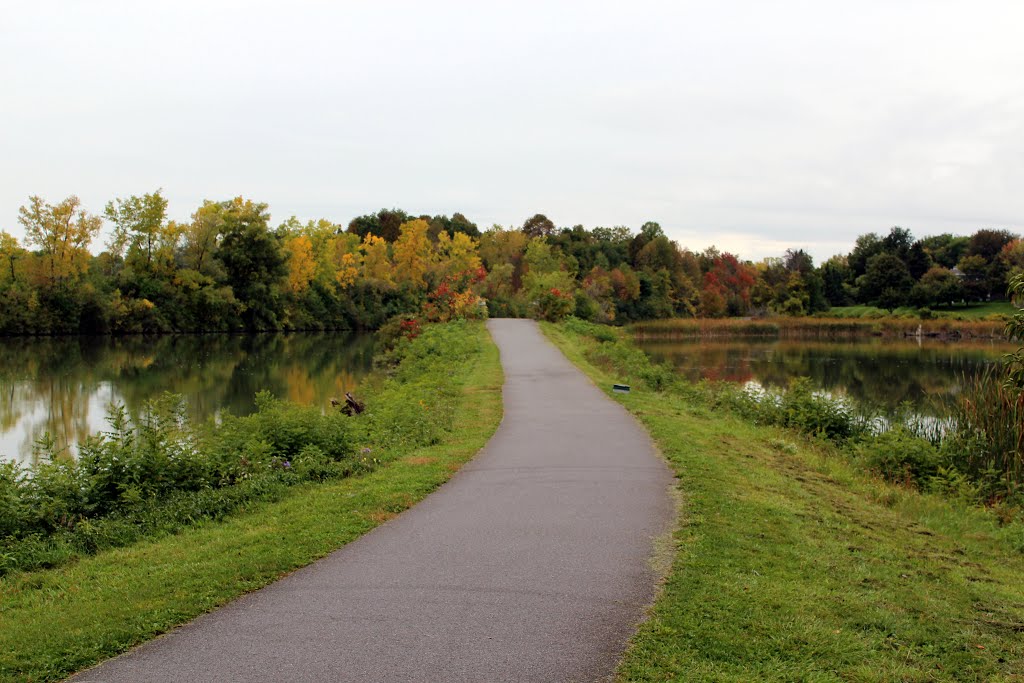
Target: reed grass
988, 431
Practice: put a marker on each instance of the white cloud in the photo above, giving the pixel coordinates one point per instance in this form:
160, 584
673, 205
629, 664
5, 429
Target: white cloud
756, 126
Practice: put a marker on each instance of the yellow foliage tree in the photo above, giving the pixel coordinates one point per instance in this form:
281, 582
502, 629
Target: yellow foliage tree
377, 265
62, 232
11, 254
457, 254
414, 253
301, 264
348, 270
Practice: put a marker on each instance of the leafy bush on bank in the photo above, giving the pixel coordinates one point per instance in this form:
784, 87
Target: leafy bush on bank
157, 473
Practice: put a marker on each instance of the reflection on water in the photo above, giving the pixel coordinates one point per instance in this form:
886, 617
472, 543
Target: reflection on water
880, 374
62, 386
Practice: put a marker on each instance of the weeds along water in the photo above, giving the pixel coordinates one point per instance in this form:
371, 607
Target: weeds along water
158, 472
974, 453
991, 327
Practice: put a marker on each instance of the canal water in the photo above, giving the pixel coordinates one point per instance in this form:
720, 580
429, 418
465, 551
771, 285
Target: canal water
878, 374
64, 386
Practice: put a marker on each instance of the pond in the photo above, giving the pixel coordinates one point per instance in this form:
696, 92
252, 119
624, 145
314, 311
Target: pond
879, 374
63, 386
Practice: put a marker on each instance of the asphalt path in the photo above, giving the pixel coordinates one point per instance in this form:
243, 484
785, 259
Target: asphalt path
530, 564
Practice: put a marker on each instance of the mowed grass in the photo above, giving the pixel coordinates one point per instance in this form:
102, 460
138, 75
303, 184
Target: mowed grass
792, 566
970, 312
56, 622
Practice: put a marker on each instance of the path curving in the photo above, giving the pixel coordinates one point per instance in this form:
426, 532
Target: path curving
531, 564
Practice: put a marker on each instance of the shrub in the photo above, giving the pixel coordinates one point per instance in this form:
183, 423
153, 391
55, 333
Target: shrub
899, 456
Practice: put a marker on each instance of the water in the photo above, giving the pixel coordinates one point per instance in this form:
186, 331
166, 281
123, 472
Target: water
63, 386
880, 374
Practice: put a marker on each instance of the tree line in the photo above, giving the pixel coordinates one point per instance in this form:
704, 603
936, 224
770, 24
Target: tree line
228, 269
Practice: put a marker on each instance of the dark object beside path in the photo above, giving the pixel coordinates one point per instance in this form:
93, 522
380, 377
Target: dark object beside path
531, 564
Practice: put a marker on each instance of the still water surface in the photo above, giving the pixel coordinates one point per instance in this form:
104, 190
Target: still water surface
63, 386
880, 374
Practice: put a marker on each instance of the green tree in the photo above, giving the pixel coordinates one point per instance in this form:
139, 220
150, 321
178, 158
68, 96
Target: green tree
918, 261
975, 272
386, 223
938, 286
538, 225
139, 224
886, 283
835, 277
946, 250
254, 262
548, 286
898, 242
201, 237
866, 246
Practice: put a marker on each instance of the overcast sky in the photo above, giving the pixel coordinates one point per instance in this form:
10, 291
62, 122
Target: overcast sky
755, 126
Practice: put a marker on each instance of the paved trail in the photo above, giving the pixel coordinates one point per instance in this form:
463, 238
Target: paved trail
529, 565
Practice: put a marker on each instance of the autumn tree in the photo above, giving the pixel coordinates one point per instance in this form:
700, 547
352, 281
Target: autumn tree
348, 260
1012, 256
413, 253
457, 254
376, 265
600, 294
548, 286
11, 254
730, 279
62, 233
500, 246
301, 264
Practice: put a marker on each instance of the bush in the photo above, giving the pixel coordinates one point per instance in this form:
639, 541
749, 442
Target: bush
899, 456
273, 436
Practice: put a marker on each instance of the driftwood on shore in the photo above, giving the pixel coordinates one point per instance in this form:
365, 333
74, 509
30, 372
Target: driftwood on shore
351, 406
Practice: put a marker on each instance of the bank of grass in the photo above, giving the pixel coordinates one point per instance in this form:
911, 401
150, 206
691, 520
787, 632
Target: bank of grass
827, 326
58, 621
792, 566
978, 311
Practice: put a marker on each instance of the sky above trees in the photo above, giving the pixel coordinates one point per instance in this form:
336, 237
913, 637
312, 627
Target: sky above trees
753, 126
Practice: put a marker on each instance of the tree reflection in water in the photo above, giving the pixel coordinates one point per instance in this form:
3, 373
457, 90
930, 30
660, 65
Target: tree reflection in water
880, 374
62, 386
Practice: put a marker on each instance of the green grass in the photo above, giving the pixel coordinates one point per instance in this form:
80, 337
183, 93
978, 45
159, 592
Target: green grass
792, 566
971, 312
864, 311
55, 622
976, 311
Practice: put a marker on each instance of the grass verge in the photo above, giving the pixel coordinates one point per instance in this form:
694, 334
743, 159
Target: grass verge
975, 311
55, 622
791, 565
